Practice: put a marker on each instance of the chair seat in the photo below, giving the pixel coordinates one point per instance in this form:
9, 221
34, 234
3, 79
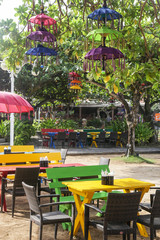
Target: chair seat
115, 228
51, 217
145, 219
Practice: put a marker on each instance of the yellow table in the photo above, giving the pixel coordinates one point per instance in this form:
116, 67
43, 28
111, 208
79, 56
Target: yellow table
87, 189
94, 135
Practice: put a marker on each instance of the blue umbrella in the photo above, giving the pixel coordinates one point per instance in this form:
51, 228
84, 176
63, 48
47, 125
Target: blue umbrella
41, 51
104, 13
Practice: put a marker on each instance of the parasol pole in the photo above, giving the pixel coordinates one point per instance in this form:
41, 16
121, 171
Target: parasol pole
12, 114
104, 4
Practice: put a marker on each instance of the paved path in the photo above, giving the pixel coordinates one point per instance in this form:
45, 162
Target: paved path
111, 150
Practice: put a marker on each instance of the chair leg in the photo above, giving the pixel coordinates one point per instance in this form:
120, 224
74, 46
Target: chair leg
40, 232
13, 204
72, 228
2, 194
30, 231
56, 229
124, 236
151, 233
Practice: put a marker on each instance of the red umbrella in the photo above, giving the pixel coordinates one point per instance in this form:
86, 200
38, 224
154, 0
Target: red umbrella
43, 20
13, 103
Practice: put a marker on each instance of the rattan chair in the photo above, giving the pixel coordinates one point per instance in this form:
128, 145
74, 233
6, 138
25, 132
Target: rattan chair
101, 141
152, 219
72, 139
29, 175
61, 138
112, 139
121, 210
82, 139
51, 217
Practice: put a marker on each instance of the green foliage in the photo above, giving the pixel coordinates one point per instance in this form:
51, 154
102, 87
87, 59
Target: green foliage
59, 124
143, 133
36, 125
4, 128
23, 131
137, 159
96, 123
119, 125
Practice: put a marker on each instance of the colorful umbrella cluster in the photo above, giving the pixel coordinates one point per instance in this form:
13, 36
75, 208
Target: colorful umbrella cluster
105, 57
75, 82
42, 35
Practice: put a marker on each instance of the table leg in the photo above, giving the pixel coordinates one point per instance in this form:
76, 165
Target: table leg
94, 141
79, 221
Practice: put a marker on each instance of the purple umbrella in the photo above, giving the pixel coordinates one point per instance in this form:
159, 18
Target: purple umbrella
42, 35
102, 54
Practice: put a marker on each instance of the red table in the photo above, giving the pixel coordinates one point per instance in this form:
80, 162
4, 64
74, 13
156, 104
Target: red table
5, 170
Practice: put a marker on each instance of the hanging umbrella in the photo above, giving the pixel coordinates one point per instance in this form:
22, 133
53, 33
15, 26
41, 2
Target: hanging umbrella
74, 74
105, 14
42, 35
102, 54
106, 52
41, 51
97, 34
43, 20
13, 103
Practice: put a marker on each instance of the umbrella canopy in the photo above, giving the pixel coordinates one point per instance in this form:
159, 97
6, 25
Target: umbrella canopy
41, 51
42, 35
104, 13
106, 52
108, 33
13, 103
43, 20
74, 74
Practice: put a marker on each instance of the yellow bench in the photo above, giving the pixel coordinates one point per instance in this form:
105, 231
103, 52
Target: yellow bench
19, 148
28, 159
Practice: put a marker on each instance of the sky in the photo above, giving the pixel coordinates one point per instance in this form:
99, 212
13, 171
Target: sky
7, 8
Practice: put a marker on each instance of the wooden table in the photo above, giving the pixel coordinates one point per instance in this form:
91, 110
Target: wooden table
87, 189
5, 170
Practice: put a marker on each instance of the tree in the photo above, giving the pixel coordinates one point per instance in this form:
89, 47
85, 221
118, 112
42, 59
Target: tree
141, 34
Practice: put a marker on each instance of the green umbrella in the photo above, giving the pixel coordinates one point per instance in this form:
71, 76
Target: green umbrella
109, 34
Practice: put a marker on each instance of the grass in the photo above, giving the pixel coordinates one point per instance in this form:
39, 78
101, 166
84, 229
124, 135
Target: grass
134, 159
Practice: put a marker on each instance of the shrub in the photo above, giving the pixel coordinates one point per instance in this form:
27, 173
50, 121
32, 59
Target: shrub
5, 128
23, 131
143, 133
119, 125
96, 123
59, 123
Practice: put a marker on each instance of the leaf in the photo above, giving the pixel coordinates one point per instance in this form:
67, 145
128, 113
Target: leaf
61, 41
107, 78
115, 88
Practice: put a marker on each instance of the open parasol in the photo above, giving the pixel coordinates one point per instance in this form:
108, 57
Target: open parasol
42, 35
103, 53
13, 103
41, 50
105, 14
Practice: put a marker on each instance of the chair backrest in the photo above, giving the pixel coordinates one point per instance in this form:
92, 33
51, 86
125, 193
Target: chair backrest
27, 175
72, 136
122, 207
113, 135
63, 153
155, 212
61, 136
104, 161
83, 135
102, 135
31, 197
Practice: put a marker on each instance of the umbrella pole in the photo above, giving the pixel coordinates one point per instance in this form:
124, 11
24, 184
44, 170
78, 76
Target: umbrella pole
12, 114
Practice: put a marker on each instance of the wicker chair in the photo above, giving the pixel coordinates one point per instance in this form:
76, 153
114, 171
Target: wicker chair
152, 219
46, 218
112, 138
29, 175
121, 210
101, 139
82, 139
72, 138
61, 138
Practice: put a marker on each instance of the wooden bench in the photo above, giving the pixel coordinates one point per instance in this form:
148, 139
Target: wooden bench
87, 173
19, 148
28, 159
46, 138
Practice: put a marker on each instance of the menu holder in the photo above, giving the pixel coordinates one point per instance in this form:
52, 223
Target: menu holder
107, 180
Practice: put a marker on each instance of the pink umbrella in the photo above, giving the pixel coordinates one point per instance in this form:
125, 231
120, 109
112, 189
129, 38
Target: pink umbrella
43, 20
13, 103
